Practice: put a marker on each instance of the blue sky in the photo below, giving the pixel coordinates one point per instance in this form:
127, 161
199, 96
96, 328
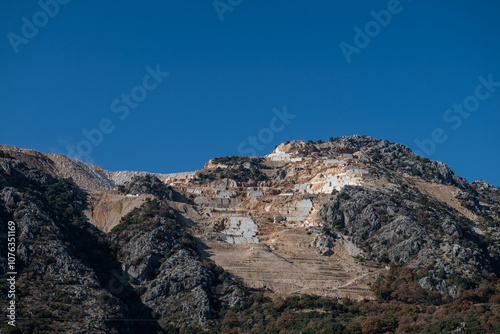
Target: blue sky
228, 79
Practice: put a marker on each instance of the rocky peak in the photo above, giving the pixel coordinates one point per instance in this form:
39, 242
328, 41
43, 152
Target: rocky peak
350, 217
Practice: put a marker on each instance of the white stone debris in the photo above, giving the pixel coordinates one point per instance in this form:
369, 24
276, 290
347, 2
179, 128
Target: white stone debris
225, 194
218, 203
220, 186
242, 230
193, 191
182, 175
334, 161
202, 200
254, 193
299, 212
279, 155
327, 183
299, 187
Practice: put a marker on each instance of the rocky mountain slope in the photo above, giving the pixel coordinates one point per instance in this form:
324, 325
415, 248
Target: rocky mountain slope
85, 176
341, 211
354, 218
75, 279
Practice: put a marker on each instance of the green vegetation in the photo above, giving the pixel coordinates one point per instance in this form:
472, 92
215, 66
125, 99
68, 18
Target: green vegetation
146, 184
401, 307
237, 172
236, 160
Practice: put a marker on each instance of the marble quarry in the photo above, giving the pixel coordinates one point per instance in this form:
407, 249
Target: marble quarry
297, 212
335, 181
241, 230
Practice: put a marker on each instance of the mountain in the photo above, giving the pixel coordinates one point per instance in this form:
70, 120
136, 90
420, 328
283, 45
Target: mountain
84, 175
353, 235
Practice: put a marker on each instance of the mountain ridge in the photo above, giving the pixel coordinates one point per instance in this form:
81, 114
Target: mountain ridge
352, 218
111, 179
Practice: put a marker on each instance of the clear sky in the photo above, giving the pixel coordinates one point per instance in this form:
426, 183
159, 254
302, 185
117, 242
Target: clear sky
164, 86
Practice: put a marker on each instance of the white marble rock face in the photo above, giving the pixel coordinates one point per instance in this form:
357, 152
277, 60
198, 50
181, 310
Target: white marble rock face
242, 230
